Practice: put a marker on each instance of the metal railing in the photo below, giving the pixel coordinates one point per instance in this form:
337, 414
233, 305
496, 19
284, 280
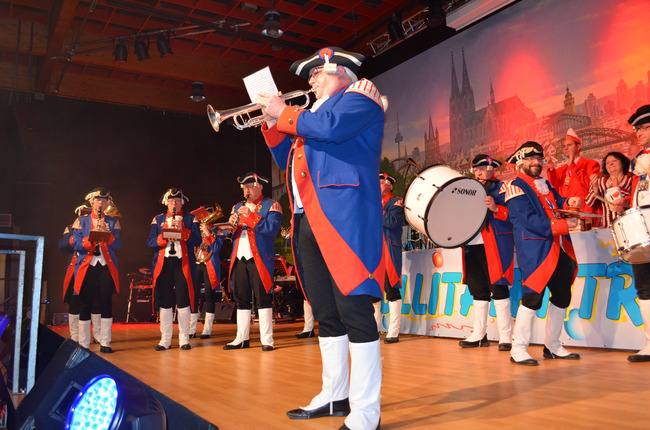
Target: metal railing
36, 299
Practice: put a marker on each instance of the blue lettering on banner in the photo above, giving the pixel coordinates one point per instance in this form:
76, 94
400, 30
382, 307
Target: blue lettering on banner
621, 294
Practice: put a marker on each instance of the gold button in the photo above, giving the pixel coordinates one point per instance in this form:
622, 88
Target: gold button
303, 174
299, 156
290, 120
296, 109
371, 276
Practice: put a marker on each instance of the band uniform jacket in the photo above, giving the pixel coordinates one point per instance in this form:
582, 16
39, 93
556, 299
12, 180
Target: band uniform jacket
498, 240
335, 159
213, 265
66, 245
393, 222
573, 180
538, 234
85, 249
190, 237
635, 178
262, 226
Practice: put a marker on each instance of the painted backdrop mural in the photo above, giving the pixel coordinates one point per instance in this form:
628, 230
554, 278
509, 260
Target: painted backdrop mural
528, 73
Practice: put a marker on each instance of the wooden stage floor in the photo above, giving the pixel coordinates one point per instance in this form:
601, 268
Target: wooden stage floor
427, 382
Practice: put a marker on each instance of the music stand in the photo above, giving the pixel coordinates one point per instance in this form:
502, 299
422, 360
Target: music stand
100, 236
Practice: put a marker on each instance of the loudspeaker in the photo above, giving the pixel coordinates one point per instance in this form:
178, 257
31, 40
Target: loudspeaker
70, 369
225, 312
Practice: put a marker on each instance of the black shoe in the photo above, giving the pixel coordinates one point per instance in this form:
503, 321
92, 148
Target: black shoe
244, 344
106, 349
267, 348
638, 358
162, 348
186, 346
391, 340
204, 336
305, 334
505, 346
340, 408
526, 362
476, 344
96, 341
570, 356
191, 336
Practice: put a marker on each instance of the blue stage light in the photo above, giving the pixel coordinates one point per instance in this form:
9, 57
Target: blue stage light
108, 403
95, 405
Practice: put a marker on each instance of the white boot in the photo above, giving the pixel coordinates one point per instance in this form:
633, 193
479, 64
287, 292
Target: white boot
644, 354
243, 330
266, 328
105, 335
504, 323
194, 320
166, 328
365, 386
478, 336
309, 318
552, 346
84, 333
73, 323
521, 337
333, 398
184, 327
97, 327
207, 325
377, 306
395, 319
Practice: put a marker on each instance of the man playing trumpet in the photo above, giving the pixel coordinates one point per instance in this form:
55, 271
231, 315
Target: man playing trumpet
96, 271
332, 167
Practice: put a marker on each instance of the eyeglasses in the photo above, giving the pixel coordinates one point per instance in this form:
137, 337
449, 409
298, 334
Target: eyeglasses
644, 127
315, 72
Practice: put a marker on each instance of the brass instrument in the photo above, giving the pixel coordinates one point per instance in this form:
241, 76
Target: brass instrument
285, 232
238, 113
111, 210
208, 220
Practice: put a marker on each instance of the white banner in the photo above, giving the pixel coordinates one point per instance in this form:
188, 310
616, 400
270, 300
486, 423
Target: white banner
604, 311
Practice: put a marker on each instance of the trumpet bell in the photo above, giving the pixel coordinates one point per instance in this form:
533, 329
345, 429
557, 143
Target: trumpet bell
214, 117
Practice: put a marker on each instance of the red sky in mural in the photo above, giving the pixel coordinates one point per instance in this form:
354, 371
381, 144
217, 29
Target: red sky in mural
530, 51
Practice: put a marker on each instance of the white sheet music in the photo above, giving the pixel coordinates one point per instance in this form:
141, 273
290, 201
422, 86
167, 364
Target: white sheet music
260, 82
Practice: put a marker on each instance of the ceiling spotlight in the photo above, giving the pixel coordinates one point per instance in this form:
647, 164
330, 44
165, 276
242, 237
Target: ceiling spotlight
272, 26
163, 44
120, 53
141, 49
197, 94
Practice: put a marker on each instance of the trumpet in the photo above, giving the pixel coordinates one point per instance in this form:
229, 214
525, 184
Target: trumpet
241, 115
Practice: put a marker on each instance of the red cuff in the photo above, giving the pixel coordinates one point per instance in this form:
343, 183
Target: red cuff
559, 227
272, 136
251, 220
501, 213
161, 242
288, 121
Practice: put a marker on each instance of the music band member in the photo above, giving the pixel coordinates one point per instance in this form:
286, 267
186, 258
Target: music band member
208, 276
172, 237
574, 177
640, 196
544, 252
393, 209
96, 272
332, 166
256, 221
489, 262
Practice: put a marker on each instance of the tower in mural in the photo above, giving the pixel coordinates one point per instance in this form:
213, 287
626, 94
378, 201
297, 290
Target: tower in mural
398, 139
431, 145
569, 102
469, 128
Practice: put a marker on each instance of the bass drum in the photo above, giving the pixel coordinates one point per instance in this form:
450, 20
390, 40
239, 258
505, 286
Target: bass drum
446, 206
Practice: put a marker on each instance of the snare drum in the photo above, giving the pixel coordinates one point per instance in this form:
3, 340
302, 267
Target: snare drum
631, 231
446, 206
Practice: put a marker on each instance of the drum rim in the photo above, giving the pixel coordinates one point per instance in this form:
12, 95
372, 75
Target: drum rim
426, 228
